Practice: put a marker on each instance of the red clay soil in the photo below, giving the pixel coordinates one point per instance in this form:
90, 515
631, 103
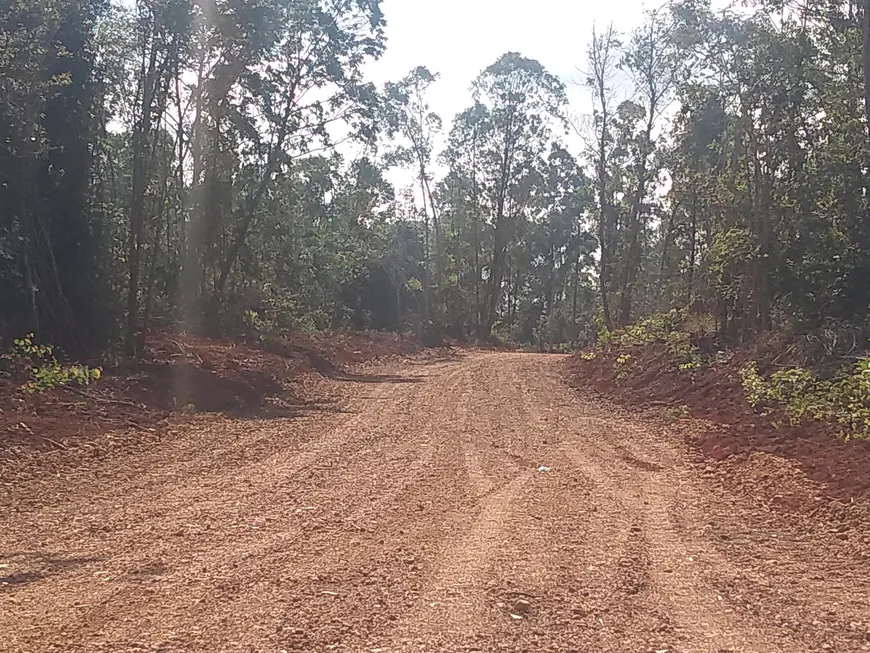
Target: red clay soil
181, 376
470, 504
731, 429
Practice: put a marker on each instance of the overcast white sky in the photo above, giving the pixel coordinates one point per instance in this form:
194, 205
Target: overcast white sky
459, 38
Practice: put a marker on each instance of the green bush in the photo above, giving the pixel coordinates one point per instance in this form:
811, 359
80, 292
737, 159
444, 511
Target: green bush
668, 328
45, 372
624, 366
256, 326
655, 328
803, 397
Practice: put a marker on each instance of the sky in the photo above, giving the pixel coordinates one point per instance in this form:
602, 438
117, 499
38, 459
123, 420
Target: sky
459, 38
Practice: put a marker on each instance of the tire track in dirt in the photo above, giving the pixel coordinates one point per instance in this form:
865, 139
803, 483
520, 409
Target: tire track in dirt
667, 583
411, 516
221, 553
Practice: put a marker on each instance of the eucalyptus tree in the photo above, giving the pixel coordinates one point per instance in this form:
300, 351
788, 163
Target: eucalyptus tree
603, 58
651, 61
463, 157
520, 105
408, 115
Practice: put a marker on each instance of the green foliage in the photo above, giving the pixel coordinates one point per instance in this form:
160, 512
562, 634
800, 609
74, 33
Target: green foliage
796, 390
25, 351
45, 372
661, 327
53, 375
50, 248
664, 328
257, 326
731, 251
143, 182
843, 400
509, 332
604, 338
624, 366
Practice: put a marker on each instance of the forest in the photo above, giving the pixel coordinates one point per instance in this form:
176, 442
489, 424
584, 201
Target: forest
222, 166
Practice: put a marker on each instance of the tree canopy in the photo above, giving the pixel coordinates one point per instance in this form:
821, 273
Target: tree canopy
189, 163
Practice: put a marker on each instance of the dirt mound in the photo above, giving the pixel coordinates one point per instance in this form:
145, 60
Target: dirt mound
731, 428
183, 375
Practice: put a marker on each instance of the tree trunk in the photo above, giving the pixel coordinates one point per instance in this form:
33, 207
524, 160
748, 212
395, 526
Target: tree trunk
574, 293
692, 248
663, 266
605, 210
633, 262
140, 172
399, 307
476, 238
496, 277
427, 256
194, 231
601, 51
436, 231
865, 30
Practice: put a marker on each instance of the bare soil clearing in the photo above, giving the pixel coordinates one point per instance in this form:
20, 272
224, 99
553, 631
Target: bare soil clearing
405, 511
137, 398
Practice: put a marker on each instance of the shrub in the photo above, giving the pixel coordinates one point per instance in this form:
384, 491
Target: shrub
655, 328
802, 396
667, 328
623, 366
45, 372
256, 326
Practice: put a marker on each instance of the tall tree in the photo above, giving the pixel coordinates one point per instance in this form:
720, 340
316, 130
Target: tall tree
270, 85
522, 103
603, 56
50, 241
650, 60
408, 114
162, 30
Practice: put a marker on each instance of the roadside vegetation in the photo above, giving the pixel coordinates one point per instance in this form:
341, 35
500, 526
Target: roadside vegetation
38, 369
801, 383
803, 397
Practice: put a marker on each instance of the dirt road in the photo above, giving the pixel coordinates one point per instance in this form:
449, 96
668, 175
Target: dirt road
408, 513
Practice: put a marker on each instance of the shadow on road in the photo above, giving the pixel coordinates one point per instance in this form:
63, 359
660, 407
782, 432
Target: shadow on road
39, 566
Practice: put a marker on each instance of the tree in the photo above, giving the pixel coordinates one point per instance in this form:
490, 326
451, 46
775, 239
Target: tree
270, 113
50, 243
464, 155
650, 59
520, 103
408, 114
162, 29
603, 58
182, 162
